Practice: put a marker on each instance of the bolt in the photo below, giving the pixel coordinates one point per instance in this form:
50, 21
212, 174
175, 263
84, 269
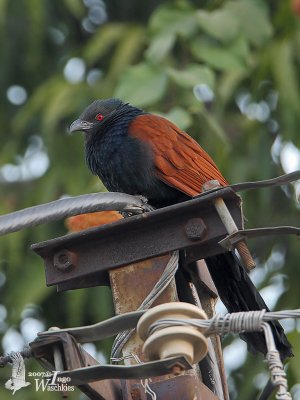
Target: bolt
177, 369
64, 260
230, 225
245, 255
195, 228
135, 394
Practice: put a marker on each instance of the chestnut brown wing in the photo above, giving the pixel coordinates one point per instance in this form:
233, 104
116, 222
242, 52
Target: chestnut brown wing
180, 161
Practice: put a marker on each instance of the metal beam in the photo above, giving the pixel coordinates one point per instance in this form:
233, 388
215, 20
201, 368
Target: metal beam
83, 259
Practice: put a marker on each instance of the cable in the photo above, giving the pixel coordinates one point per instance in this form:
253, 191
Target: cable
234, 322
250, 321
60, 209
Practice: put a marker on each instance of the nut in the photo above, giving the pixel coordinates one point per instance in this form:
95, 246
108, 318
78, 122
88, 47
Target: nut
177, 369
135, 393
64, 260
195, 228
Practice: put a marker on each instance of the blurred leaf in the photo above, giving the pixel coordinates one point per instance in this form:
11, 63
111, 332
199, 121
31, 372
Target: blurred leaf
192, 75
102, 41
58, 106
127, 50
76, 304
214, 127
142, 85
253, 18
240, 48
220, 24
165, 24
3, 5
285, 74
229, 82
75, 7
170, 21
293, 364
254, 366
160, 47
36, 18
36, 102
217, 57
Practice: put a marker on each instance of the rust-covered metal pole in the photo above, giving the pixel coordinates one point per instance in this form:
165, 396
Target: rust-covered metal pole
130, 285
131, 256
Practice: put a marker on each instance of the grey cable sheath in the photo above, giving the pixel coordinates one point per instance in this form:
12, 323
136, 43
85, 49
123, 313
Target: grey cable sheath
60, 209
101, 330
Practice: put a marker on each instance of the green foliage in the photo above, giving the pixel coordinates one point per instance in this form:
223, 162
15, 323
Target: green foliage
142, 85
192, 75
220, 24
246, 52
175, 21
217, 56
237, 18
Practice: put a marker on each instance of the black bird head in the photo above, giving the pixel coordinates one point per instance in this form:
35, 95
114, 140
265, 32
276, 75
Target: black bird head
96, 114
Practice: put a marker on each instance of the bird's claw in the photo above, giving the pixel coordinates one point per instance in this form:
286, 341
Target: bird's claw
134, 210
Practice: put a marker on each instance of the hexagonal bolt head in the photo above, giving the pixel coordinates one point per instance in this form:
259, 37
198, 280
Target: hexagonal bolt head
64, 260
195, 228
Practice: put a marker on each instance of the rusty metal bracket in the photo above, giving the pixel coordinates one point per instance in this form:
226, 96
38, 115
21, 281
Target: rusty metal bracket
139, 371
229, 241
101, 330
73, 356
193, 225
82, 369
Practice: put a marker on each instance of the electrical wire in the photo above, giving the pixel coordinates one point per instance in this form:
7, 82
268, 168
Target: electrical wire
251, 321
66, 207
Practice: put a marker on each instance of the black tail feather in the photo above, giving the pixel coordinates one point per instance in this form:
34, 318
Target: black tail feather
238, 293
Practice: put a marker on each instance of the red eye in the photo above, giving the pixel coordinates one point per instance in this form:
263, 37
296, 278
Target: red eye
99, 117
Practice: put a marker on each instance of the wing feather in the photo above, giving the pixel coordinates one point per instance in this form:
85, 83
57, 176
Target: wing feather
179, 160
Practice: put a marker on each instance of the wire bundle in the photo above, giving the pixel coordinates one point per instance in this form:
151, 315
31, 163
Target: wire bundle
250, 321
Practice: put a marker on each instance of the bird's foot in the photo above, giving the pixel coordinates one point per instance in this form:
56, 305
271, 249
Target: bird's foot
145, 207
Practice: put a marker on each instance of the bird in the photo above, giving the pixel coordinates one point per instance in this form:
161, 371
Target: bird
139, 153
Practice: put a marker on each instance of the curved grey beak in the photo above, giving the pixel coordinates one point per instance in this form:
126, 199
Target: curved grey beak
80, 125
